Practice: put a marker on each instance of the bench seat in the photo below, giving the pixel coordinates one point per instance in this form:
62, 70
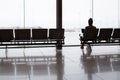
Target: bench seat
15, 37
100, 36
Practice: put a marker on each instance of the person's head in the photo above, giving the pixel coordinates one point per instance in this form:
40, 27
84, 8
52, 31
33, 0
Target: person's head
90, 21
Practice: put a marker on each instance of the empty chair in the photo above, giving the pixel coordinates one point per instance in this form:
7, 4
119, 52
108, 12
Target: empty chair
56, 34
90, 35
105, 34
6, 35
116, 34
22, 34
39, 34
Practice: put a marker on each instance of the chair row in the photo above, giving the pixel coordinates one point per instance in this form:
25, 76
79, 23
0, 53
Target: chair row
102, 34
8, 35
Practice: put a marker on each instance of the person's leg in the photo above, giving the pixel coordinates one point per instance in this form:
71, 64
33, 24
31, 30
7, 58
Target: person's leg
88, 50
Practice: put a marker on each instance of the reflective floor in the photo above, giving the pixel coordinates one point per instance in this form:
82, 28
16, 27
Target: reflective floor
66, 64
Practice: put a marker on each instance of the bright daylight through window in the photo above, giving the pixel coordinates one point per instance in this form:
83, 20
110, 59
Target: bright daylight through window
42, 14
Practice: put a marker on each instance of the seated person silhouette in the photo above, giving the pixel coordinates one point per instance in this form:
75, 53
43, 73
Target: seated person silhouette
90, 26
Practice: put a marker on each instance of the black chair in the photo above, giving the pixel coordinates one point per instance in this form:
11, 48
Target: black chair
105, 34
56, 34
22, 34
116, 34
90, 35
39, 34
6, 35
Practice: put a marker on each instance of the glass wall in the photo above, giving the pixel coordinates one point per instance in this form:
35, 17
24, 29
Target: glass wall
106, 13
27, 13
76, 13
42, 14
118, 13
11, 13
75, 16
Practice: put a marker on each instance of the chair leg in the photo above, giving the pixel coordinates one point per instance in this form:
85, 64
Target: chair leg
59, 44
6, 51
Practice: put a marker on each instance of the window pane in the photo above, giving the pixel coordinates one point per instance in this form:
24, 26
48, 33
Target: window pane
40, 13
11, 13
118, 13
76, 13
106, 13
75, 16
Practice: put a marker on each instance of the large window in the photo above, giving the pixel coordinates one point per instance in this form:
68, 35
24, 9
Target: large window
11, 13
118, 13
75, 16
40, 13
106, 13
76, 13
27, 13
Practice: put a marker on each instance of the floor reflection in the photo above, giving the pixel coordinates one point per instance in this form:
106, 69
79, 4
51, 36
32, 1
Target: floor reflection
101, 63
59, 65
66, 64
32, 67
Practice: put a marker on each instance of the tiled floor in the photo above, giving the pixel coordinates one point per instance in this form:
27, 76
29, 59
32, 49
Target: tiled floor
66, 64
